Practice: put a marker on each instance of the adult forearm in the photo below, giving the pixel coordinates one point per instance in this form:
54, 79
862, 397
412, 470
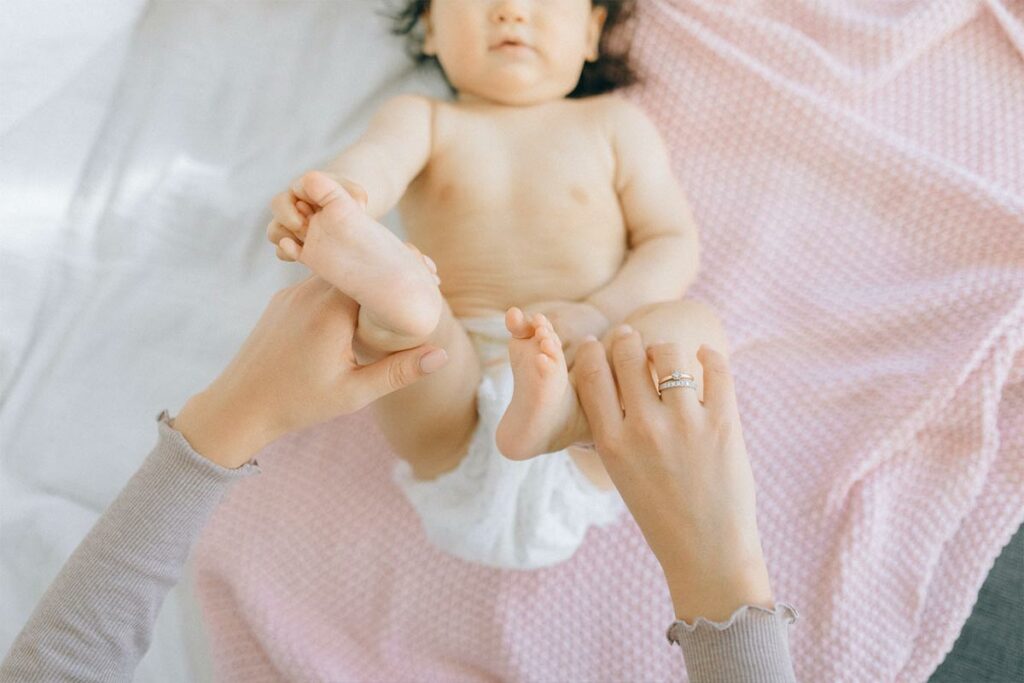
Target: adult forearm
96, 620
659, 269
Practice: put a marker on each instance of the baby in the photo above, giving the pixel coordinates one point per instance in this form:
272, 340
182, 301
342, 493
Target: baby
549, 210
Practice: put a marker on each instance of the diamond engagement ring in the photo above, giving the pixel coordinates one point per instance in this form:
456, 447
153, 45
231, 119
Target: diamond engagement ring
678, 378
676, 375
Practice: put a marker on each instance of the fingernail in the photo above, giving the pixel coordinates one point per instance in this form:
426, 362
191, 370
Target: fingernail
430, 261
623, 330
433, 360
590, 337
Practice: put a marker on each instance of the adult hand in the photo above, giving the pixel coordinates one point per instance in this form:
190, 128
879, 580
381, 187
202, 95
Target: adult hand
573, 321
681, 466
296, 369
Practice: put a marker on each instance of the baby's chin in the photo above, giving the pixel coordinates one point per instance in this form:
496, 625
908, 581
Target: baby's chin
513, 92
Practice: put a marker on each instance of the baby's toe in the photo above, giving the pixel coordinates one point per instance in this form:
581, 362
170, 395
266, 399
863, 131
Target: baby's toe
516, 324
549, 347
544, 364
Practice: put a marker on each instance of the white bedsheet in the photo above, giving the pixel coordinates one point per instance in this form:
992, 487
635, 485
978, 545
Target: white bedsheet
140, 144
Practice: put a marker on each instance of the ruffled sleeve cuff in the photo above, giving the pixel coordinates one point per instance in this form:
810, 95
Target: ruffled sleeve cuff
176, 453
752, 645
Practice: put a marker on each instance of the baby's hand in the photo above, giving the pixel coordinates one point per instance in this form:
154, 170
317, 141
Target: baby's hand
572, 320
292, 210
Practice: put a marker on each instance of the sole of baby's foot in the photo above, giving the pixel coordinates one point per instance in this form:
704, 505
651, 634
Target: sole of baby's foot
396, 290
542, 400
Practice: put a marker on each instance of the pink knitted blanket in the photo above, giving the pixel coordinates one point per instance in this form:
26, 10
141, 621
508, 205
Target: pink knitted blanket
857, 170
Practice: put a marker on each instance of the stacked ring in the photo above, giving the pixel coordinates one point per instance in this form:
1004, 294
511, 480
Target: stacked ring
678, 378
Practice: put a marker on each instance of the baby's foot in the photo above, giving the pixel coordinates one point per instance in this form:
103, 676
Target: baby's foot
396, 290
543, 400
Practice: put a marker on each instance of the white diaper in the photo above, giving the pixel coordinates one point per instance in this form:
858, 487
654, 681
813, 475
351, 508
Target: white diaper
500, 512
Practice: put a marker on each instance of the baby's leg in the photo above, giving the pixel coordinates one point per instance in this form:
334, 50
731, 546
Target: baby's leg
540, 423
430, 423
543, 410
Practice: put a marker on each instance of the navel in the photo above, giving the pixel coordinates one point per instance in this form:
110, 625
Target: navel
578, 193
446, 193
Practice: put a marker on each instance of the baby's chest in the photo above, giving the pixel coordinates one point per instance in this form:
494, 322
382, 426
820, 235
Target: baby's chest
546, 176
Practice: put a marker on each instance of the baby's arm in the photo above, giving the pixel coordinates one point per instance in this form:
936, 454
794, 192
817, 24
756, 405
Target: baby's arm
663, 244
390, 154
376, 169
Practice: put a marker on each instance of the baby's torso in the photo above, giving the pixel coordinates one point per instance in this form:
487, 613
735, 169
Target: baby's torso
517, 205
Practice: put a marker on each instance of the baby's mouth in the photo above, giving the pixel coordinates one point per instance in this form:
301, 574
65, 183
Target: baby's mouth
510, 42
512, 46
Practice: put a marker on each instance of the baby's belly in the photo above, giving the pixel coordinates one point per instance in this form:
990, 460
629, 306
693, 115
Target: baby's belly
474, 291
482, 276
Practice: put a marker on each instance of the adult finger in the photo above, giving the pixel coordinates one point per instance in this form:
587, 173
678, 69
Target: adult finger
668, 358
595, 388
283, 207
719, 387
632, 373
393, 372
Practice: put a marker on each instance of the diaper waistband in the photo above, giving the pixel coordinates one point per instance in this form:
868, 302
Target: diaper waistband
490, 326
489, 337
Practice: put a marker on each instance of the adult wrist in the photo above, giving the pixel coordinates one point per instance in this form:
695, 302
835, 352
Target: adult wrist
224, 432
715, 593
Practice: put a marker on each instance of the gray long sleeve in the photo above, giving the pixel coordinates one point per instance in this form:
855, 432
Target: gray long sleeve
96, 619
752, 646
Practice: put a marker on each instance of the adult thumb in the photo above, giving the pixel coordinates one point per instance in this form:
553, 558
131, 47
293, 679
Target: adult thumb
398, 370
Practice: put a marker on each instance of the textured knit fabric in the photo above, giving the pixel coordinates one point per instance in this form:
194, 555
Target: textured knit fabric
96, 620
751, 646
857, 172
499, 512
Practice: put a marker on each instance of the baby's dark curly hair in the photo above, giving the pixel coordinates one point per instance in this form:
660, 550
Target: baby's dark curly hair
609, 71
